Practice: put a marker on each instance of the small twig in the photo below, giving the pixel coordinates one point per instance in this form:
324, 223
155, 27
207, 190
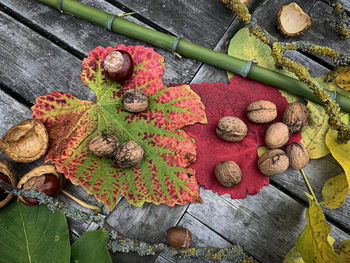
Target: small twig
340, 15
308, 185
82, 203
118, 243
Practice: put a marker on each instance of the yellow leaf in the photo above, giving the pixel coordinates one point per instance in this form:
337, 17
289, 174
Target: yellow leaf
343, 78
313, 244
313, 138
343, 251
335, 191
293, 256
261, 150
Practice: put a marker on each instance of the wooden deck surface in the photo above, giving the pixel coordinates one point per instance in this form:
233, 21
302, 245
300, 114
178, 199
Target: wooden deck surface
42, 50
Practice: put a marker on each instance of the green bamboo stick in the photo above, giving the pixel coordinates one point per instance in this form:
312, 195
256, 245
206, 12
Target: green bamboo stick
191, 50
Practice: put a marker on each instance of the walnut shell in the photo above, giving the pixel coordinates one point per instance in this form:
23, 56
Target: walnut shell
128, 154
296, 116
228, 173
292, 20
178, 237
273, 162
25, 142
245, 2
28, 181
231, 129
276, 135
8, 175
262, 111
298, 155
104, 145
135, 100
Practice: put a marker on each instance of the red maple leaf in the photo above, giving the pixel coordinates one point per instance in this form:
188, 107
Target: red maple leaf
222, 100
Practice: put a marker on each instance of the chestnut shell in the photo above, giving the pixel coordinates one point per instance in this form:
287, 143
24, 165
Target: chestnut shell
119, 65
25, 142
46, 169
7, 170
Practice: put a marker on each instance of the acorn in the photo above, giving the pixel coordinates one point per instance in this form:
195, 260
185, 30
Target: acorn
119, 65
7, 174
178, 237
45, 179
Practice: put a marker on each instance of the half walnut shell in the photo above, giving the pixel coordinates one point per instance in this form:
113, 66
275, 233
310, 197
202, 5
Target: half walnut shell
25, 142
292, 20
33, 178
7, 174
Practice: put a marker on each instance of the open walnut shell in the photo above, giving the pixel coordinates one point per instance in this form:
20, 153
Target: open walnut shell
25, 142
7, 174
292, 20
245, 2
33, 180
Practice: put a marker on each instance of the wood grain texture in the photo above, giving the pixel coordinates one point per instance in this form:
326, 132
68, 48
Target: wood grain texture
83, 36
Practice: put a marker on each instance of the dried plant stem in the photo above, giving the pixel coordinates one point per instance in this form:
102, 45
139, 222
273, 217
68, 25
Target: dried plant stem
308, 185
122, 244
82, 203
278, 48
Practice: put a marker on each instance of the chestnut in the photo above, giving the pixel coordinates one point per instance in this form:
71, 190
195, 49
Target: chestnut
178, 237
119, 65
8, 176
45, 179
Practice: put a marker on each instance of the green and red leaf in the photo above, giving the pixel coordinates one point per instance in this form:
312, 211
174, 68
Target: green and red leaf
162, 176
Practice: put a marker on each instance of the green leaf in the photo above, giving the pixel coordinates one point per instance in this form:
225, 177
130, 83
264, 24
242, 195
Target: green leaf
313, 243
293, 256
335, 191
91, 247
343, 250
33, 234
162, 176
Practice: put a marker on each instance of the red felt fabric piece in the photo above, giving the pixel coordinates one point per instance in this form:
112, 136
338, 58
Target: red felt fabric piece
221, 100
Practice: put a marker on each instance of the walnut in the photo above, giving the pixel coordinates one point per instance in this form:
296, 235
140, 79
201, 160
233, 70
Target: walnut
228, 173
25, 142
103, 145
128, 154
276, 135
135, 100
298, 155
262, 111
292, 20
295, 116
273, 162
231, 129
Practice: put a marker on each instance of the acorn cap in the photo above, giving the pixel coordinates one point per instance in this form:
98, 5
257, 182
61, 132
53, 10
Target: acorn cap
7, 169
292, 20
39, 171
25, 142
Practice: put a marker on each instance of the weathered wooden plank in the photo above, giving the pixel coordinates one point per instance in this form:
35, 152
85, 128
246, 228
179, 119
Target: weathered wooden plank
33, 66
266, 225
200, 21
83, 36
202, 236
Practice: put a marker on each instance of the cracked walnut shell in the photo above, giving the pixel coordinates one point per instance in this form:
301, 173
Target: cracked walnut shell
298, 155
273, 162
7, 174
25, 142
231, 129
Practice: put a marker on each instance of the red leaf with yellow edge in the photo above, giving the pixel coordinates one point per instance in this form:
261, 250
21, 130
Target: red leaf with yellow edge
162, 176
222, 100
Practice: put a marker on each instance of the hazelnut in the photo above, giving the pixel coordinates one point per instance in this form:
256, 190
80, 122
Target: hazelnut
228, 173
104, 145
135, 100
178, 237
295, 116
262, 111
119, 65
298, 155
273, 162
25, 142
276, 135
45, 179
7, 174
128, 154
231, 129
